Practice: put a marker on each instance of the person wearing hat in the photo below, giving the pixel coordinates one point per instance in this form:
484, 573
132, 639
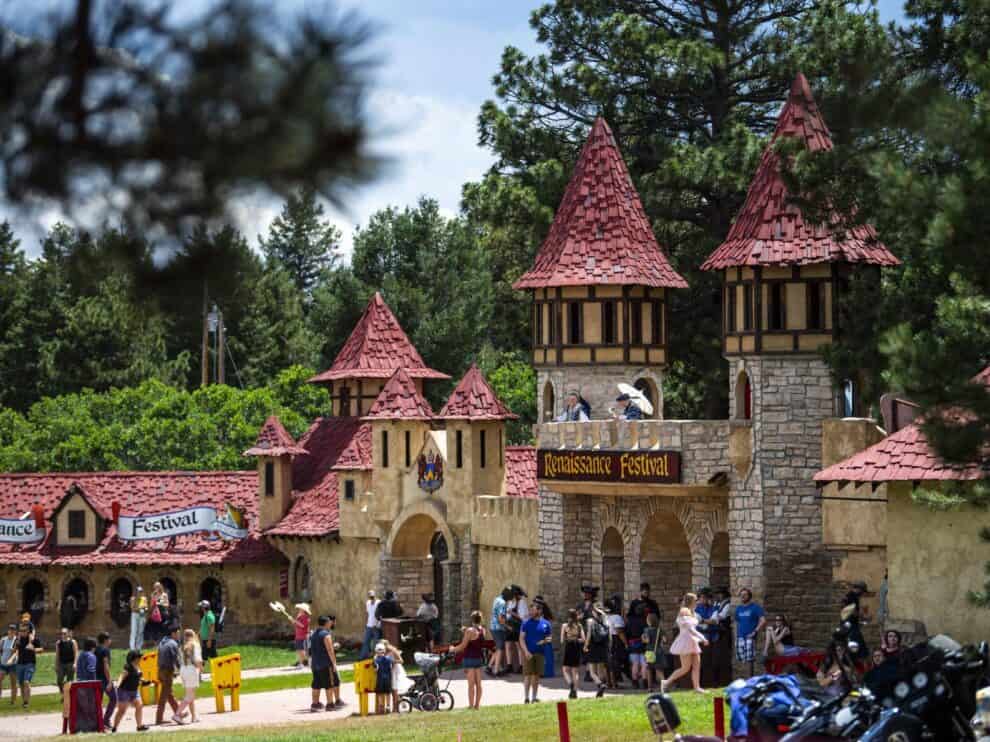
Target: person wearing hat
301, 633
852, 613
576, 409
8, 650
627, 409
207, 630
516, 611
429, 614
139, 617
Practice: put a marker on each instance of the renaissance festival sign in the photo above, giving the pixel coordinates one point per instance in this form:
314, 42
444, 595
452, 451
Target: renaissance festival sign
230, 524
20, 531
619, 467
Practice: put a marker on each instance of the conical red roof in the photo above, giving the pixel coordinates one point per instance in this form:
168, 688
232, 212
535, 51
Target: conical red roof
376, 348
474, 399
600, 234
769, 230
399, 400
274, 440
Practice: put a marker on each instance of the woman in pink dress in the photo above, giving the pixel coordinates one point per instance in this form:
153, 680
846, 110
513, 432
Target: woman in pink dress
687, 645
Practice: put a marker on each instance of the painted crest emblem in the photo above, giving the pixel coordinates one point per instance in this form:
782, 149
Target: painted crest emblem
430, 472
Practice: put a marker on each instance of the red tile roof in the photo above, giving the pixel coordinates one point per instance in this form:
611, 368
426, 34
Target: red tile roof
474, 399
399, 400
138, 493
600, 234
274, 440
520, 472
314, 510
770, 231
907, 456
376, 348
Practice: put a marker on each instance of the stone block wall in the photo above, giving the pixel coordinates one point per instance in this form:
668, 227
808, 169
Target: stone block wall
597, 384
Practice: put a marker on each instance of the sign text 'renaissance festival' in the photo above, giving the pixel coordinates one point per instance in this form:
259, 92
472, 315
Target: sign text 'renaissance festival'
644, 467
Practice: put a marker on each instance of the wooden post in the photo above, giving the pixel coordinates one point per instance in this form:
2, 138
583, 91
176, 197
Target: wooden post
221, 342
719, 717
205, 353
565, 729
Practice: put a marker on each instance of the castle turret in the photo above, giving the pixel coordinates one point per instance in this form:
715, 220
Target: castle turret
375, 349
274, 449
599, 285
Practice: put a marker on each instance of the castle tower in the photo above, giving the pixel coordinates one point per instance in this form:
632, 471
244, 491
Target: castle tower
599, 286
781, 277
475, 427
274, 449
375, 349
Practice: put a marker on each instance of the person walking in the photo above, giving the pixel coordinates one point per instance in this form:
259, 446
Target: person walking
687, 646
189, 672
499, 629
533, 635
128, 685
300, 628
28, 649
596, 639
572, 639
473, 660
750, 620
168, 666
207, 630
66, 654
103, 662
139, 617
652, 639
372, 627
323, 664
86, 663
429, 613
8, 669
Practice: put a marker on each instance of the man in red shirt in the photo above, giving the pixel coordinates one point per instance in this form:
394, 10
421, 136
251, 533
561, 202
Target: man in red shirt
301, 625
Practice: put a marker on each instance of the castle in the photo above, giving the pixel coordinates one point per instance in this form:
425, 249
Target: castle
384, 492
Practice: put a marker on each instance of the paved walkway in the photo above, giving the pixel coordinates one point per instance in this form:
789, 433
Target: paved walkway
287, 707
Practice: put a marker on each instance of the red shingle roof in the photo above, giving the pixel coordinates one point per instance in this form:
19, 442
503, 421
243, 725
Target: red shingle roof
274, 440
907, 456
376, 348
138, 493
520, 472
314, 510
474, 399
600, 234
399, 400
357, 455
769, 230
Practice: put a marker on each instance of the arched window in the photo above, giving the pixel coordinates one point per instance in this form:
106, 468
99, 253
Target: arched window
33, 599
549, 403
75, 603
301, 580
121, 591
744, 397
210, 589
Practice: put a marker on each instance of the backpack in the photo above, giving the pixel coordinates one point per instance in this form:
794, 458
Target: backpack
599, 632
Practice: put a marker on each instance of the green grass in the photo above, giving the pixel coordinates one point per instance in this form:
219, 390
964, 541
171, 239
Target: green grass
615, 719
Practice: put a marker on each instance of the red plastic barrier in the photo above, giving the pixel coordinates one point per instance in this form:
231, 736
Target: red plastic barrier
93, 705
719, 717
565, 728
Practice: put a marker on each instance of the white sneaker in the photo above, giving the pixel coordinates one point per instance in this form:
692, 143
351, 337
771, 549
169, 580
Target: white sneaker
177, 719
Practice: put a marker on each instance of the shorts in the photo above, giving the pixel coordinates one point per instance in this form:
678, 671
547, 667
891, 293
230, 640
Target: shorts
383, 685
299, 644
534, 665
322, 679
8, 669
636, 658
472, 663
209, 652
126, 696
745, 649
25, 673
498, 636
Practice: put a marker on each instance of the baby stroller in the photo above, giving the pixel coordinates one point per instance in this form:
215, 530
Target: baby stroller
426, 693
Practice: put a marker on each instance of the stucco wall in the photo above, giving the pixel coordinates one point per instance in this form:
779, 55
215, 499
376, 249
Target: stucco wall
500, 567
934, 558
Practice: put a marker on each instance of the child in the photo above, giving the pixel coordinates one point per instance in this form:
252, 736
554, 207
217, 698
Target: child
127, 690
383, 668
192, 665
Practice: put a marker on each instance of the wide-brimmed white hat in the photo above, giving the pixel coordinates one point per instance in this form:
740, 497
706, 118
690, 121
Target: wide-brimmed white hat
305, 608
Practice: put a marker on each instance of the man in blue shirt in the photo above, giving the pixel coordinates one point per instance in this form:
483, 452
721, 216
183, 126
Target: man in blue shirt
706, 612
533, 635
749, 619
497, 627
86, 662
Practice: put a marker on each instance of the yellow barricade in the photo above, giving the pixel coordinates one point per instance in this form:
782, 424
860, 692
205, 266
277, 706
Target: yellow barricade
225, 673
365, 680
149, 671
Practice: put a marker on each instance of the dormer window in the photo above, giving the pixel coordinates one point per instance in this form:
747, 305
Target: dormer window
77, 524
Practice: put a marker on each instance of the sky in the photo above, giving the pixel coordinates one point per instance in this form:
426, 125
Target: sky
437, 60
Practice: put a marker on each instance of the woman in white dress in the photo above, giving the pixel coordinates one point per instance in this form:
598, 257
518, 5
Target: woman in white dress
192, 666
687, 645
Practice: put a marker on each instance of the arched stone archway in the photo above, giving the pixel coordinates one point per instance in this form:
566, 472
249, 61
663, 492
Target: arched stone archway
76, 601
743, 397
549, 401
33, 596
666, 559
120, 590
613, 575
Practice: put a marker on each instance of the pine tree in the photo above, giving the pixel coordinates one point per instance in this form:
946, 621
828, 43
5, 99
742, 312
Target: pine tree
302, 242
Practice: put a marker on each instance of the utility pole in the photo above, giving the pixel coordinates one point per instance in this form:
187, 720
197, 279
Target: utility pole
204, 354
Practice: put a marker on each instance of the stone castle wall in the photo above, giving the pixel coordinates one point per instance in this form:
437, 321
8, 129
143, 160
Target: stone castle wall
597, 384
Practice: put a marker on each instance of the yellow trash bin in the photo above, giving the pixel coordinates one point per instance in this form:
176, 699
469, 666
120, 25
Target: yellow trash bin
149, 671
225, 674
364, 683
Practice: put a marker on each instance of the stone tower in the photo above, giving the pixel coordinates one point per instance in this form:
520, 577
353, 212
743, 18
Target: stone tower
274, 449
781, 278
375, 349
599, 286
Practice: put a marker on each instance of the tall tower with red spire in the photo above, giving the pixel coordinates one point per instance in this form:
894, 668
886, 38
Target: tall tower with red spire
781, 279
599, 285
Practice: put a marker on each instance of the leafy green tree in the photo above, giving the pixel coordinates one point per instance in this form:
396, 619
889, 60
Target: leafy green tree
302, 242
13, 286
511, 375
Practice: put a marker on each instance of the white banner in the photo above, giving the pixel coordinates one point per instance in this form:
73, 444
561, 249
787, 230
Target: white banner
24, 531
166, 525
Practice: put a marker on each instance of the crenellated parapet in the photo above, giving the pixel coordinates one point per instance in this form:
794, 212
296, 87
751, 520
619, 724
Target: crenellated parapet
505, 522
